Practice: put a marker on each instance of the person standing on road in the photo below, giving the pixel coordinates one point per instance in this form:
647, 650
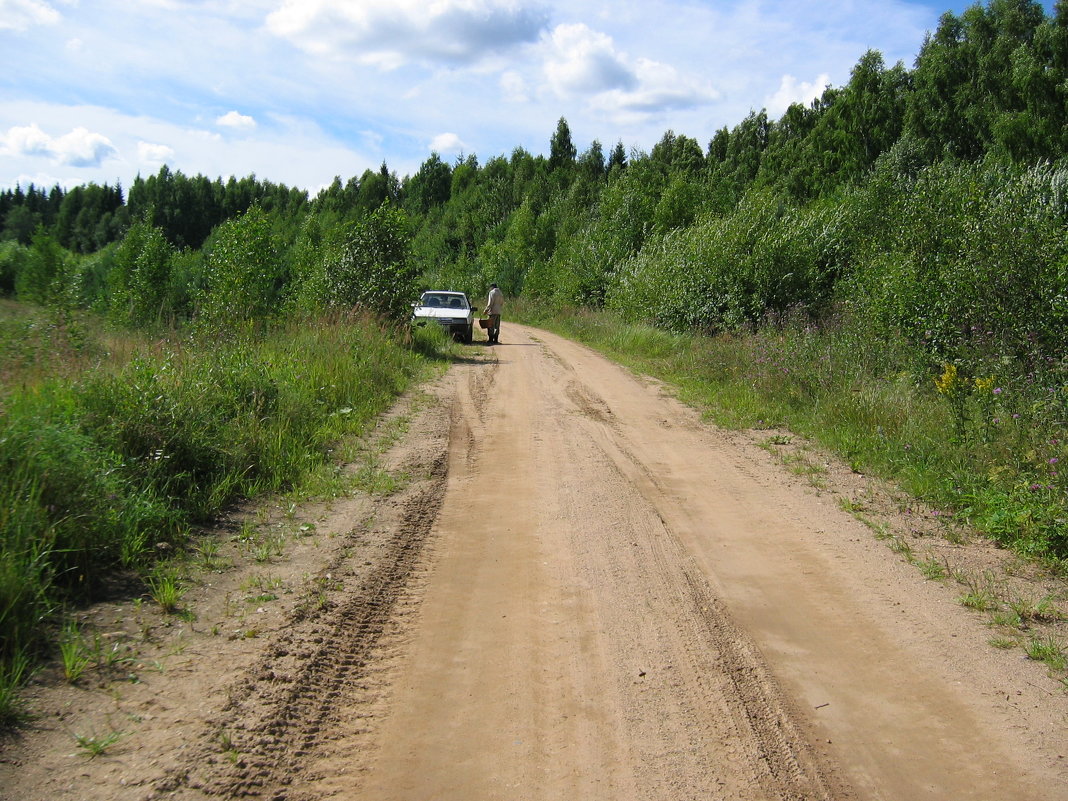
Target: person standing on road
494, 304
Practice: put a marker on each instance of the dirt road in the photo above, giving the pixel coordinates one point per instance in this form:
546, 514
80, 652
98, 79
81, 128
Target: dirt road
586, 593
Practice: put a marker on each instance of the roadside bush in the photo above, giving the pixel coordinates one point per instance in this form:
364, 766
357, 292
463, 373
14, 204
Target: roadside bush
139, 276
43, 275
970, 264
373, 269
68, 513
242, 279
12, 261
726, 272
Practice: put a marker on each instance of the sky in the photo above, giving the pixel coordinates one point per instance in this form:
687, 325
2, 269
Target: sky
300, 91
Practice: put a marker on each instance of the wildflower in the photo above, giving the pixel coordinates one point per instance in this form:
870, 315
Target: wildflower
984, 384
1016, 417
1054, 460
998, 390
946, 382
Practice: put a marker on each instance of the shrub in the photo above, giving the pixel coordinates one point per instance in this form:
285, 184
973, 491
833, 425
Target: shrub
242, 279
373, 269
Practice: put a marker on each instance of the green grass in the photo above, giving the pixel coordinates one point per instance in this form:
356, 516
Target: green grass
113, 449
1030, 609
167, 589
933, 569
1048, 650
76, 658
94, 745
1003, 643
210, 558
13, 671
37, 345
980, 599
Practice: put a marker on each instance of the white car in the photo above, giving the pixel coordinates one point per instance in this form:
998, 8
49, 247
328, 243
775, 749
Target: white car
451, 310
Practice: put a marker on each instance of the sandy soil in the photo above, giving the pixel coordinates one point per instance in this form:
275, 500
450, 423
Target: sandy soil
579, 590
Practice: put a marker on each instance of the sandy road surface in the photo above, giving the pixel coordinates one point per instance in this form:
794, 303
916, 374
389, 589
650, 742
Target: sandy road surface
625, 606
595, 596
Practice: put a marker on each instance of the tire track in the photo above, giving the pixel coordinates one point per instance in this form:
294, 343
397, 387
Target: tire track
725, 665
288, 704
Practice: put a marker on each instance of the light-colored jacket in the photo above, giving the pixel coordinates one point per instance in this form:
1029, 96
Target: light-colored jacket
495, 301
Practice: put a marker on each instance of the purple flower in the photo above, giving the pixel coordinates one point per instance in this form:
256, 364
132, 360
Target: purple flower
997, 390
1054, 460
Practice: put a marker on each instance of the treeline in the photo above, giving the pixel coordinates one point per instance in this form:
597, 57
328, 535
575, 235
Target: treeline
88, 218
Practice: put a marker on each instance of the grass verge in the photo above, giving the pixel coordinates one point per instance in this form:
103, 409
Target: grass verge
106, 464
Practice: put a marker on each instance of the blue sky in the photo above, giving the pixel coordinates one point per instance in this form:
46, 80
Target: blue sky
298, 91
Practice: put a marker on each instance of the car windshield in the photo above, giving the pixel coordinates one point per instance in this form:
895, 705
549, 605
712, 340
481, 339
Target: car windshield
443, 300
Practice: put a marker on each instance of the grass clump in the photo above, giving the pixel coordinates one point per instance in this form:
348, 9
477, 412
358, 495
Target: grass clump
167, 589
1048, 650
74, 654
13, 670
94, 745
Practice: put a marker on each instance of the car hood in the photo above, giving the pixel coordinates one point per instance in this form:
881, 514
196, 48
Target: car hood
438, 312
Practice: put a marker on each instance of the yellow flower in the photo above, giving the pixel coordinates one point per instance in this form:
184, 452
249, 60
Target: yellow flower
984, 384
948, 380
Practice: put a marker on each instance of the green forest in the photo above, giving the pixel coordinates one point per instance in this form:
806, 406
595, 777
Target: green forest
886, 268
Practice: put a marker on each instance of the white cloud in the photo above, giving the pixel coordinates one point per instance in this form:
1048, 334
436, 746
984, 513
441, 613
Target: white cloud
79, 148
27, 140
21, 15
233, 119
392, 33
447, 143
661, 87
583, 61
45, 179
790, 92
149, 153
83, 148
